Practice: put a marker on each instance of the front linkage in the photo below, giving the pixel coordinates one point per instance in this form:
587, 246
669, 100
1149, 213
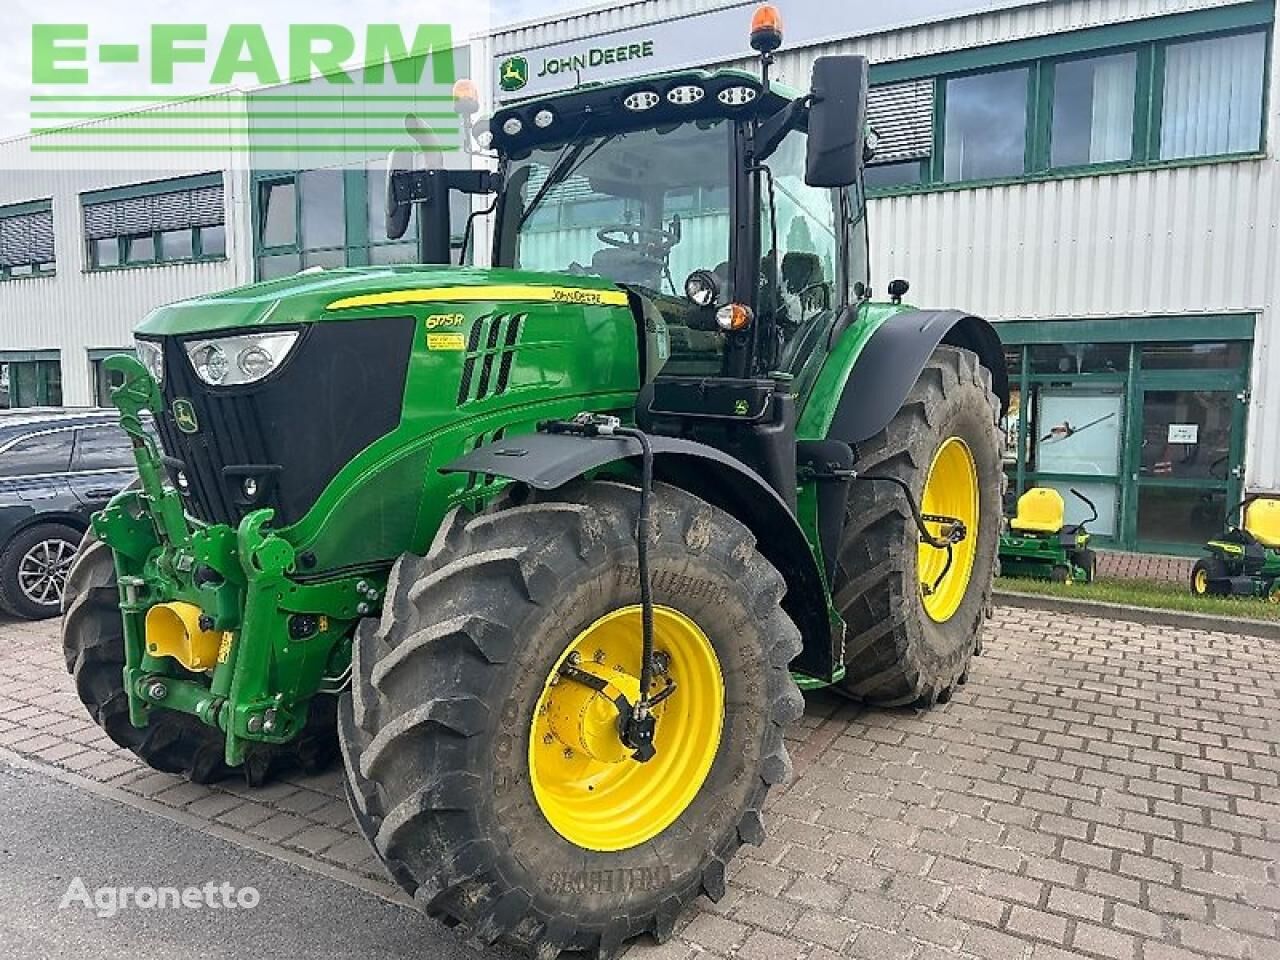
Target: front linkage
214, 625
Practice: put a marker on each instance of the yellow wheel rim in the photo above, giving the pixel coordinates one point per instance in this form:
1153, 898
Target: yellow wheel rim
586, 784
1201, 582
950, 490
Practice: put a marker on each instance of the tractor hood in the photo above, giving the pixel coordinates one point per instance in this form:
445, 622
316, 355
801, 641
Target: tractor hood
338, 294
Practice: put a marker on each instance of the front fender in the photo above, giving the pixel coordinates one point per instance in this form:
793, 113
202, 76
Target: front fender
549, 460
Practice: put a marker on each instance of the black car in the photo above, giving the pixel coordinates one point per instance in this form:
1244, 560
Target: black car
56, 468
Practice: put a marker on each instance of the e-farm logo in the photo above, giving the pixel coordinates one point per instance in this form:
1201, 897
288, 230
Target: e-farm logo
301, 88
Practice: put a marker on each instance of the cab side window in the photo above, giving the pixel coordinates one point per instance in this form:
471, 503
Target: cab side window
102, 448
38, 454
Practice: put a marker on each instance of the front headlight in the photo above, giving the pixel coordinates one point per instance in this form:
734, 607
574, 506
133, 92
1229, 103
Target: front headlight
151, 356
231, 361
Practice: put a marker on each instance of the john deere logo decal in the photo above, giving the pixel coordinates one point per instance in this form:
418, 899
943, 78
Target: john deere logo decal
184, 415
513, 73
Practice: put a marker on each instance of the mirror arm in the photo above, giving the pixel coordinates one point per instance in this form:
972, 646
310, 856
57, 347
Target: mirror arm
771, 133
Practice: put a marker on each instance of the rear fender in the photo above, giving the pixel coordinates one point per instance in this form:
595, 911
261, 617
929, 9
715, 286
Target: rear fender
890, 362
547, 461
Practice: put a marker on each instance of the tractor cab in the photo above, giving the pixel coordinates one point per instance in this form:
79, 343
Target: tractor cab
728, 208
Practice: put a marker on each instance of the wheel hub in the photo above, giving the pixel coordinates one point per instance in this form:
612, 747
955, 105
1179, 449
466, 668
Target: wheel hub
585, 719
587, 782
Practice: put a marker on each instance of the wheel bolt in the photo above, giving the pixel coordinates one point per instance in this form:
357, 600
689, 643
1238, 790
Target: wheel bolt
568, 753
575, 658
599, 656
548, 739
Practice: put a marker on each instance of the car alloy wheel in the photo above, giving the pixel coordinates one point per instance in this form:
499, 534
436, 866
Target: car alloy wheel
42, 571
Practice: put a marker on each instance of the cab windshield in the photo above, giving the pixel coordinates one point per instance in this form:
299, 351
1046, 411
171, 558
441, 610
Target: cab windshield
643, 208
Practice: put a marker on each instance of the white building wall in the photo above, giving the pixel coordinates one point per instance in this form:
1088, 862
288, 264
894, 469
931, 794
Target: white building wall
80, 310
1186, 240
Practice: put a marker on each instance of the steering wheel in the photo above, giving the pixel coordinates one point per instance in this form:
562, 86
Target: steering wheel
647, 241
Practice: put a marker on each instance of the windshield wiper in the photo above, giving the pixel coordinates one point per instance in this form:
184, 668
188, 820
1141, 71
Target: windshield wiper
571, 157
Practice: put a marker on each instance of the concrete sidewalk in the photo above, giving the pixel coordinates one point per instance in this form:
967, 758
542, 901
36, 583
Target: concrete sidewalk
1099, 789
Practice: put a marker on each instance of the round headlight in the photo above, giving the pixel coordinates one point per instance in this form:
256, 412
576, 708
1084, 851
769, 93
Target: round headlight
543, 119
701, 287
512, 126
255, 362
211, 364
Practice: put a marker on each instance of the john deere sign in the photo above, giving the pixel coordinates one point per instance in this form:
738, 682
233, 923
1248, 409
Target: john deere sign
513, 73
709, 37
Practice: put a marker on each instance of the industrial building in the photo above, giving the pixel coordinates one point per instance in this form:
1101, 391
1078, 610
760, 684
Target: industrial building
1094, 175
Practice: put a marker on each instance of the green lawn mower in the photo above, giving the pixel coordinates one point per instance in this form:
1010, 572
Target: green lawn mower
1245, 560
1039, 544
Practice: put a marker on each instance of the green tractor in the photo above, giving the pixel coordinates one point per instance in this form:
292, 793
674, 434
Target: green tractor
550, 548
1245, 560
1039, 544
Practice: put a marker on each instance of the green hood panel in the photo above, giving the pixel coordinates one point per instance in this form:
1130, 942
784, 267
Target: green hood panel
309, 297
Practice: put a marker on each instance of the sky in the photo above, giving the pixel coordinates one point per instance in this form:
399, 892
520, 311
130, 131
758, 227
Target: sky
129, 21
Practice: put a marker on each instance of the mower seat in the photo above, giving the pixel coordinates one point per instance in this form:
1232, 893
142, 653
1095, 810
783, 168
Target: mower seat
1040, 510
1262, 521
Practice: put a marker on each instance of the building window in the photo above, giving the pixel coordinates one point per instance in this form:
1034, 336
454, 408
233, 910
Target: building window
986, 125
1173, 97
105, 380
1141, 416
332, 218
26, 240
173, 221
1213, 92
1093, 110
30, 383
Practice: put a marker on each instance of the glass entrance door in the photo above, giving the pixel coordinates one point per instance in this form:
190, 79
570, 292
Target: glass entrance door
1187, 449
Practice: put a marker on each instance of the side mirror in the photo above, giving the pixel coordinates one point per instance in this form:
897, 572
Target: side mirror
837, 121
397, 213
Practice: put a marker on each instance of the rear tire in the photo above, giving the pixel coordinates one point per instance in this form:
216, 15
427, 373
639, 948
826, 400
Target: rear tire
34, 568
93, 644
896, 652
1087, 560
440, 731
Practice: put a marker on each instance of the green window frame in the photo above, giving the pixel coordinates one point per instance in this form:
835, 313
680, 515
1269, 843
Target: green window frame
148, 240
30, 378
1131, 334
1147, 41
27, 241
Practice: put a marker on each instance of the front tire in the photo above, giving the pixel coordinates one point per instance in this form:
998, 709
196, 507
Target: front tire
913, 621
471, 792
93, 645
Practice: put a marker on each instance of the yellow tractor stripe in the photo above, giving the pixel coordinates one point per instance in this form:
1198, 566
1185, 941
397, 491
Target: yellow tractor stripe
576, 295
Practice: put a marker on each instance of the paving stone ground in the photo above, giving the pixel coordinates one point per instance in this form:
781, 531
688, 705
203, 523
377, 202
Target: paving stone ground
1144, 566
1098, 789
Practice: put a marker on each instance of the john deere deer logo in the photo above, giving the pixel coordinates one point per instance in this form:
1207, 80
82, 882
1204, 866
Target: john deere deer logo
184, 415
513, 73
